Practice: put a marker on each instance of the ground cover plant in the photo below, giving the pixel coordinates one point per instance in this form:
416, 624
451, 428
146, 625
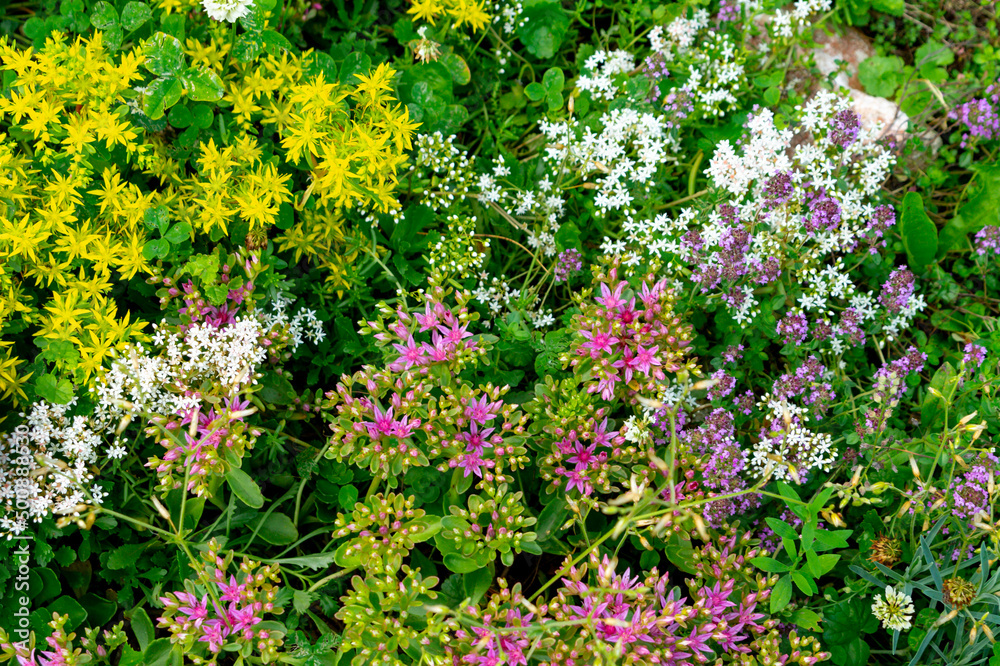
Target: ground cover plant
548, 332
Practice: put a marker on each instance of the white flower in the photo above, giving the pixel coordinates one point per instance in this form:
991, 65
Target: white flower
895, 611
227, 10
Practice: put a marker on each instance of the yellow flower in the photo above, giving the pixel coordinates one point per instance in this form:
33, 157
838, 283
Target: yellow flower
370, 90
130, 259
471, 12
425, 10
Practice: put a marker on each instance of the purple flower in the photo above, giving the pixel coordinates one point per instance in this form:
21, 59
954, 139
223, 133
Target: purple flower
988, 240
794, 327
898, 290
567, 263
846, 125
980, 116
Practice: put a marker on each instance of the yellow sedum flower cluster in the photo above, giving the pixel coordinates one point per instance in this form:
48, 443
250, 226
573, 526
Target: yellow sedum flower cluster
74, 220
464, 12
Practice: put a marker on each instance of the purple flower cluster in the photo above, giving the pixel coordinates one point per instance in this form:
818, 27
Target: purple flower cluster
196, 443
229, 608
567, 263
581, 460
794, 327
729, 260
655, 70
980, 116
889, 388
988, 240
897, 290
724, 461
649, 622
970, 492
806, 383
778, 190
846, 125
729, 10
629, 338
878, 228
677, 105
824, 213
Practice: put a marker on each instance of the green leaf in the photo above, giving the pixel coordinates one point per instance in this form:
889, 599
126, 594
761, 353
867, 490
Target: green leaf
477, 583
160, 95
159, 653
807, 619
881, 75
99, 610
302, 600
178, 233
156, 218
278, 530
853, 653
920, 238
544, 28
203, 266
217, 294
820, 564
772, 95
104, 16
347, 497
203, 85
61, 351
534, 91
554, 80
135, 14
276, 389
180, 117
770, 565
458, 68
156, 249
248, 46
125, 557
317, 562
245, 488
781, 528
803, 583
894, 7
830, 539
143, 628
68, 606
164, 55
460, 563
781, 594
981, 209
53, 390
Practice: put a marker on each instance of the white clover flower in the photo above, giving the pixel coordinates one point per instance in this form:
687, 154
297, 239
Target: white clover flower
227, 10
895, 610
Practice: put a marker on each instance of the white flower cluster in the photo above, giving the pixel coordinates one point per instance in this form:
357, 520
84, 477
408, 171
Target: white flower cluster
301, 326
497, 295
439, 157
600, 70
794, 450
786, 25
45, 467
816, 168
626, 154
895, 610
680, 34
507, 17
227, 10
459, 252
709, 62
